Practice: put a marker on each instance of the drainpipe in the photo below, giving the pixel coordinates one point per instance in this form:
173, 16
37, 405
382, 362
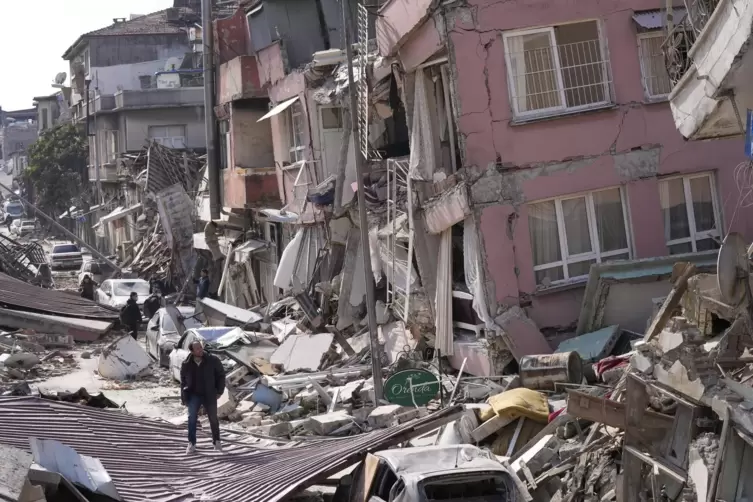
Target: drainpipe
209, 126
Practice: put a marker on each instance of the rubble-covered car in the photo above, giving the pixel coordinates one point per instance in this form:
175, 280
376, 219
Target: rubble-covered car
206, 335
162, 335
115, 292
429, 473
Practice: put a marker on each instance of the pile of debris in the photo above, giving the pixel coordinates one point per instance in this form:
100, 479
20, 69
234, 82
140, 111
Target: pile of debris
31, 357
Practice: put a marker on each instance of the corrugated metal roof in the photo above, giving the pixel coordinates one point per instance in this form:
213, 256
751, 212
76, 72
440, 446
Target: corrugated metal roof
19, 295
145, 457
655, 19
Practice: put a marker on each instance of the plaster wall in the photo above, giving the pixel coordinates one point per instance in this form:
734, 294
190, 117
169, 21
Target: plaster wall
137, 123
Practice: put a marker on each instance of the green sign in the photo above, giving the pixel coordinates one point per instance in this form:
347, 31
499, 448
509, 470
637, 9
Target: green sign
411, 387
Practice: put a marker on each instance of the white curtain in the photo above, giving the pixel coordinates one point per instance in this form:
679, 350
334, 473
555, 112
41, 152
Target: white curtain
474, 277
443, 299
516, 51
422, 162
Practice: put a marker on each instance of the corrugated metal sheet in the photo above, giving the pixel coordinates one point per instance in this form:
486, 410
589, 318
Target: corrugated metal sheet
655, 19
145, 458
18, 295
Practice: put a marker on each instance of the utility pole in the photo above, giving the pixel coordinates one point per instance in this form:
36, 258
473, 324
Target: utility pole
98, 186
376, 360
209, 126
88, 230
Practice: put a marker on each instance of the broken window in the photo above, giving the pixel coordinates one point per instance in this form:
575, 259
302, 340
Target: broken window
295, 132
655, 64
224, 144
111, 146
171, 136
557, 69
690, 212
569, 234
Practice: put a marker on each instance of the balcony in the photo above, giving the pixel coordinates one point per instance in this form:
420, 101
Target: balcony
239, 79
107, 172
710, 99
247, 188
160, 98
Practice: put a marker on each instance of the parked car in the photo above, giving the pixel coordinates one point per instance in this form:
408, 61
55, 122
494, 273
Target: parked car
162, 336
429, 473
66, 256
23, 227
13, 209
115, 292
180, 353
97, 270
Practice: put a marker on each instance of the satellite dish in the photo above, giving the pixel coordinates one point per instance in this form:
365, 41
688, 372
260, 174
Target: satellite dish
60, 77
172, 63
733, 269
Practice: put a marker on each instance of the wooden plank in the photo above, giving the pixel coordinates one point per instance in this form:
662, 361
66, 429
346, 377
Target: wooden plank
653, 425
671, 303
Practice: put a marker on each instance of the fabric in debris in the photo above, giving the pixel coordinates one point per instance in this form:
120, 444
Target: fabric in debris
609, 363
473, 271
443, 299
422, 152
515, 403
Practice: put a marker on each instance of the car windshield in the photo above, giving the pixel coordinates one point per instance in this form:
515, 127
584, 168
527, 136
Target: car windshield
473, 487
169, 326
125, 288
14, 209
66, 248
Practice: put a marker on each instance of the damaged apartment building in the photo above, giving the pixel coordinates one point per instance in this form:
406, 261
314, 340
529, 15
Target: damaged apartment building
144, 83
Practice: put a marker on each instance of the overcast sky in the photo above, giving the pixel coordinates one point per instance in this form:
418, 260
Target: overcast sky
36, 33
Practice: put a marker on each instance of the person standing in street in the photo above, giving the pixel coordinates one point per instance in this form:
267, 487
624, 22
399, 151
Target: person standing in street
87, 288
153, 304
130, 315
202, 287
202, 382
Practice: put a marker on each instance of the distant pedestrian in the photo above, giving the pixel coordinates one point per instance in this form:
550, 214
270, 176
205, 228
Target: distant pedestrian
202, 287
153, 304
130, 315
202, 382
87, 288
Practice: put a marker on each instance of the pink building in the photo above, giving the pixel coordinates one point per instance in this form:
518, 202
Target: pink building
564, 128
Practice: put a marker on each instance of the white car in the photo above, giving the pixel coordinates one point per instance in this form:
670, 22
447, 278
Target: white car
180, 353
23, 227
97, 270
115, 292
162, 335
66, 256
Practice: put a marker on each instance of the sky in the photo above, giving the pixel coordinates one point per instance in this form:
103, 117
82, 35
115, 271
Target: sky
36, 34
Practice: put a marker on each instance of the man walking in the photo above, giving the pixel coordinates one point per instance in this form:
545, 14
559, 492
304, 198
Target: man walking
87, 288
202, 288
202, 382
130, 315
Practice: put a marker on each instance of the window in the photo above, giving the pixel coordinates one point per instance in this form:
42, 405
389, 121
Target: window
332, 118
45, 118
224, 144
656, 82
557, 70
295, 130
87, 62
111, 146
690, 213
570, 234
145, 81
173, 136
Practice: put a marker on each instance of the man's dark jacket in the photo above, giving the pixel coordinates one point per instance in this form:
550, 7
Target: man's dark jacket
202, 288
151, 306
130, 314
206, 379
87, 289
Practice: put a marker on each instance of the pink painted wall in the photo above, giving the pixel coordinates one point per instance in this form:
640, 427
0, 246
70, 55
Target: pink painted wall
397, 19
490, 138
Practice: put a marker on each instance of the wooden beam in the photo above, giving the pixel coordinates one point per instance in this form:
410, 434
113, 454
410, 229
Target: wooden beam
671, 303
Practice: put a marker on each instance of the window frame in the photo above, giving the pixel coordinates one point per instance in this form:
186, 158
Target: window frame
595, 253
694, 236
646, 89
563, 109
295, 151
163, 139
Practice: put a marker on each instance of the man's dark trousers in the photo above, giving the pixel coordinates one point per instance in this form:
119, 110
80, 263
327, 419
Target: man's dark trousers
195, 401
134, 330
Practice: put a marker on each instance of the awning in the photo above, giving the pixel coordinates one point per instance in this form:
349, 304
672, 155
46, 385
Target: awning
279, 108
120, 212
656, 19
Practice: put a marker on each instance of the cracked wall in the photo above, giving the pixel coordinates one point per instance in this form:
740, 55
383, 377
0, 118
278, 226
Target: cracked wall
632, 144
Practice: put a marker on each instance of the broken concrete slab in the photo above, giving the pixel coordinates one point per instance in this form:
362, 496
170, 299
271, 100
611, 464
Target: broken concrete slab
82, 330
326, 424
124, 358
593, 346
279, 429
677, 378
383, 416
521, 334
226, 404
490, 427
302, 352
282, 328
474, 352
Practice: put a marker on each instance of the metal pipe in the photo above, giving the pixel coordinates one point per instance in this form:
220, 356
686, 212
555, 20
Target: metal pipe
66, 231
210, 130
376, 361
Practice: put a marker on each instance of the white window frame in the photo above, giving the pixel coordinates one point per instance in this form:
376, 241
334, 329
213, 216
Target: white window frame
169, 139
644, 72
563, 109
296, 153
695, 236
595, 253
